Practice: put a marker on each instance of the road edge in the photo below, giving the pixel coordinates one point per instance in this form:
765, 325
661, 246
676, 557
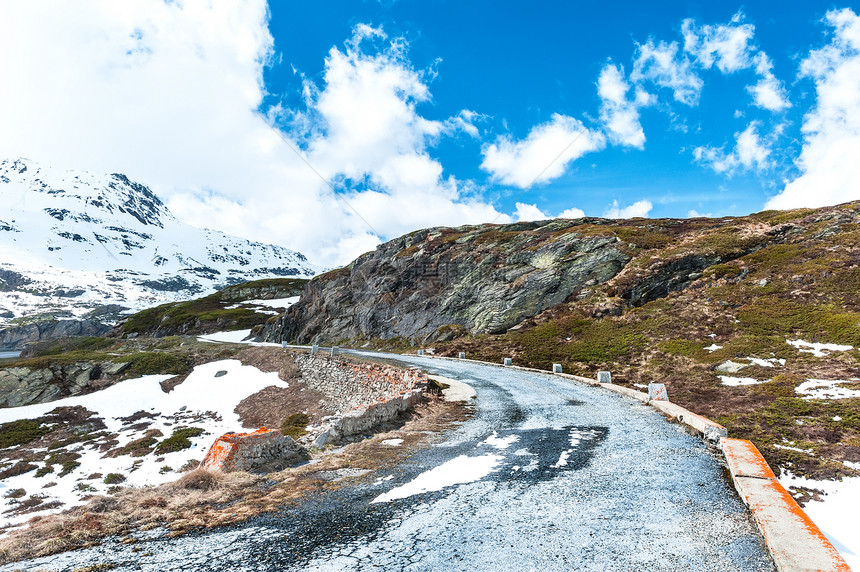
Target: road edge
794, 541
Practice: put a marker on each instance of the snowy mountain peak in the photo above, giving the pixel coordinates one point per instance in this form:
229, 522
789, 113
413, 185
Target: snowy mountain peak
111, 240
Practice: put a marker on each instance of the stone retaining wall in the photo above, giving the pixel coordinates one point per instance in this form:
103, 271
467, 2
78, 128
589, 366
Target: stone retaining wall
349, 384
363, 395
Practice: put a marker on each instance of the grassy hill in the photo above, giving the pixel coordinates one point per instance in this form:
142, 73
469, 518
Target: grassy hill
693, 295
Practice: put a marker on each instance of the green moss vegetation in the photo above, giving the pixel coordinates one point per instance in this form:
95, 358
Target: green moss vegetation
178, 441
590, 342
114, 478
21, 431
684, 347
827, 323
147, 363
295, 425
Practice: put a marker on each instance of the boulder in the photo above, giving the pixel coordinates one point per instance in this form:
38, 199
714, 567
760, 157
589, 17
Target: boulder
262, 451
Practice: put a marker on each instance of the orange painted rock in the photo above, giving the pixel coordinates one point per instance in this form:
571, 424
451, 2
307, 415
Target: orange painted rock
260, 451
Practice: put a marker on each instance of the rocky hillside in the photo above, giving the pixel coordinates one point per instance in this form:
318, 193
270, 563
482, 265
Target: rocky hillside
239, 307
73, 241
730, 313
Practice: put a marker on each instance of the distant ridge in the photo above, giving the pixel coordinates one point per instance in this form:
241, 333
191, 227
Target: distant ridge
72, 242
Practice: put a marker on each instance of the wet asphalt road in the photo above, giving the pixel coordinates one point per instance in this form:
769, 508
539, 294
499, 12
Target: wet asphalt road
579, 479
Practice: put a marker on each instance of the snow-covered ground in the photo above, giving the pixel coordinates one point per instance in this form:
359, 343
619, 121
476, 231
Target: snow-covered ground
827, 389
72, 240
818, 350
206, 399
836, 515
738, 381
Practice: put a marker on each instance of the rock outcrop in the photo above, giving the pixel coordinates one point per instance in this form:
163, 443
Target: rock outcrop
435, 284
29, 385
18, 336
262, 451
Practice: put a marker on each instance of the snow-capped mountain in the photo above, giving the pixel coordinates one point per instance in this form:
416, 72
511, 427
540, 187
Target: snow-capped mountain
72, 241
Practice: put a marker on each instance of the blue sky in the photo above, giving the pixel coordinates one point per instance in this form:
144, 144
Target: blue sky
328, 127
518, 64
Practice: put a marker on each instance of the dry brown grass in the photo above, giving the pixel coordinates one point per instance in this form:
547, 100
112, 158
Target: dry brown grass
204, 499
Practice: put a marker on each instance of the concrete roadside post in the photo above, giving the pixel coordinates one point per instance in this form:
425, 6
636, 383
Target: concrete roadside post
334, 351
556, 368
461, 355
657, 392
508, 361
314, 349
604, 377
284, 344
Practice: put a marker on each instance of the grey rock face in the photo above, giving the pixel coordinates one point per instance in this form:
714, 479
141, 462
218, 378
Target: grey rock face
19, 335
433, 284
26, 386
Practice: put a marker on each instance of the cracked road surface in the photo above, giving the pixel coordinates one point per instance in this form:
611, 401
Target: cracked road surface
548, 475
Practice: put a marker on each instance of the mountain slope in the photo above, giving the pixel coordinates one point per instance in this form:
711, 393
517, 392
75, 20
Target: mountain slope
752, 321
72, 241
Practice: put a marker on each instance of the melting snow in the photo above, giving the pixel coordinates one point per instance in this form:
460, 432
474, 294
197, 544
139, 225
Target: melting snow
202, 400
836, 515
769, 362
499, 442
818, 350
825, 389
459, 470
737, 381
392, 442
713, 348
235, 336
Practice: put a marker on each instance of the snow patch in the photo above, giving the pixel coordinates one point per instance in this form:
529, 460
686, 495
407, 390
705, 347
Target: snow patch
825, 389
202, 400
459, 470
738, 381
713, 347
836, 515
236, 336
499, 442
818, 350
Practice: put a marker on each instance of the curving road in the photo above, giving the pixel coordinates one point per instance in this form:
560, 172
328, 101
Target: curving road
548, 475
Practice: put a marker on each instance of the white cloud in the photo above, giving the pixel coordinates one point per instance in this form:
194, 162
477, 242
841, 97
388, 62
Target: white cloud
832, 128
769, 92
169, 93
693, 213
528, 213
543, 155
750, 153
619, 115
572, 212
662, 65
637, 209
728, 46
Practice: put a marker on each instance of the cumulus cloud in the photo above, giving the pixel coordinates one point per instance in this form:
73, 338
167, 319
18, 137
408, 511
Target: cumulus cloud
662, 65
620, 114
750, 153
526, 212
543, 155
693, 213
768, 93
637, 209
730, 48
572, 212
170, 94
831, 129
